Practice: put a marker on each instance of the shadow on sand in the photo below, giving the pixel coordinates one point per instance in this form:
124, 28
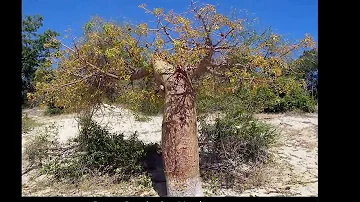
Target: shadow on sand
153, 164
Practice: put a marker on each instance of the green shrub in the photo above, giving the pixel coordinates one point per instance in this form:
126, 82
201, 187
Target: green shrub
41, 148
99, 152
149, 108
284, 94
224, 103
52, 110
296, 99
110, 150
237, 137
27, 124
68, 168
233, 141
206, 104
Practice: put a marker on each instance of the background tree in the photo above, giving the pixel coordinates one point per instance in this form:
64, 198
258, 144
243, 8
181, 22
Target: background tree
181, 55
36, 50
307, 65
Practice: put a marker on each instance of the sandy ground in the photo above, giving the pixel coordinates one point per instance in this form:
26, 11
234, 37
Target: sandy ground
295, 154
116, 119
296, 157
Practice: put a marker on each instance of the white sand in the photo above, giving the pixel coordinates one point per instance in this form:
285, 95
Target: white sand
116, 119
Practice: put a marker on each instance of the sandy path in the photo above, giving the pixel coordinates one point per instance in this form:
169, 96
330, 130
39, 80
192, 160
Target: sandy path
295, 155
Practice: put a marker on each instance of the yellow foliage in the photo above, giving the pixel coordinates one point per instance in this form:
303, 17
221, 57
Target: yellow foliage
104, 61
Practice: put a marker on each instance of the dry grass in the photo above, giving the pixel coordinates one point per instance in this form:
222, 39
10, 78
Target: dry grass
28, 124
90, 186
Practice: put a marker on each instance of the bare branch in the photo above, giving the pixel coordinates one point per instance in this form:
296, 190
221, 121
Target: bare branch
91, 65
139, 73
106, 73
226, 65
223, 38
215, 73
291, 49
206, 61
226, 47
165, 31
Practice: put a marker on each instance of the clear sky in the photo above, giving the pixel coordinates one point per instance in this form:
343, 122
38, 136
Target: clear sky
292, 18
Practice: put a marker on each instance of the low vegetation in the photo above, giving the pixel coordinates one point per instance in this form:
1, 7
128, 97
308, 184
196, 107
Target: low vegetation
52, 110
27, 124
232, 144
96, 151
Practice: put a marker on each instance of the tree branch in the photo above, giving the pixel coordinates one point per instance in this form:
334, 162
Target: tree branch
91, 65
218, 74
206, 61
223, 38
291, 49
226, 65
77, 81
139, 73
166, 32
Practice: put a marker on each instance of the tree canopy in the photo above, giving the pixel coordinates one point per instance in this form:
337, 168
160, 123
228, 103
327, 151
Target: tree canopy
307, 66
200, 42
36, 50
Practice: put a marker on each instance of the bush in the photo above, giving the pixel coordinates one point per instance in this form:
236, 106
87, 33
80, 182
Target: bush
284, 94
291, 94
99, 152
111, 151
41, 148
52, 110
27, 124
224, 103
239, 139
232, 142
296, 99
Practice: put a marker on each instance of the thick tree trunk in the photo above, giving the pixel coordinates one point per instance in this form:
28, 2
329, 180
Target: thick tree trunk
179, 133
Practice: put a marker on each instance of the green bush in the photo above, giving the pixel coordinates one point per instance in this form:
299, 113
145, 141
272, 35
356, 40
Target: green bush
281, 95
27, 124
224, 103
99, 152
296, 99
206, 104
52, 110
237, 137
149, 109
284, 94
232, 142
110, 150
41, 148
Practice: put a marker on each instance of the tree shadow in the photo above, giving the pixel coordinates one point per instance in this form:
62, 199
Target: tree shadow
153, 164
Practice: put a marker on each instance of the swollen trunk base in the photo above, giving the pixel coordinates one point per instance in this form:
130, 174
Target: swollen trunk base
189, 187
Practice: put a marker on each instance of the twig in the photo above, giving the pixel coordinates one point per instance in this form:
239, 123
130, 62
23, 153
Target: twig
232, 29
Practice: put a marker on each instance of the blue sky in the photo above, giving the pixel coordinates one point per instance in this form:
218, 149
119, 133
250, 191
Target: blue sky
292, 18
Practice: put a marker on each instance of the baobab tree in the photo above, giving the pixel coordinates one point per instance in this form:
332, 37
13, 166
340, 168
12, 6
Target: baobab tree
174, 55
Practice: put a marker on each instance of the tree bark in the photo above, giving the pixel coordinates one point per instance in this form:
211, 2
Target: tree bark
180, 148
